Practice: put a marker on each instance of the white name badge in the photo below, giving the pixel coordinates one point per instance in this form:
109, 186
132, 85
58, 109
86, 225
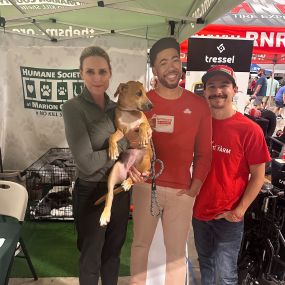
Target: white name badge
164, 123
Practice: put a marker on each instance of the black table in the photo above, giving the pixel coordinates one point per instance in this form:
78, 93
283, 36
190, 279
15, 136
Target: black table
11, 232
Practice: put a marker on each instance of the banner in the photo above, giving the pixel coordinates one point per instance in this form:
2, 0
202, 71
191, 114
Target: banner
267, 41
256, 13
206, 52
36, 81
47, 89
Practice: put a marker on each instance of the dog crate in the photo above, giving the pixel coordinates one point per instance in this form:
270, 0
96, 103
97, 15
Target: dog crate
49, 183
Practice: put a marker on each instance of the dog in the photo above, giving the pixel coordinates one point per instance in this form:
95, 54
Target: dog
129, 120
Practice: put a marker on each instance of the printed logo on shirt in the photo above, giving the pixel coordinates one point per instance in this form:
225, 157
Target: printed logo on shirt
220, 148
163, 123
187, 111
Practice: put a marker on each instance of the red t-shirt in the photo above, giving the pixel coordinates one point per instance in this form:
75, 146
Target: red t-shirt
237, 143
183, 129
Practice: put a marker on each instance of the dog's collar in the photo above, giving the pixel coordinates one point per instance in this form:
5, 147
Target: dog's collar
126, 110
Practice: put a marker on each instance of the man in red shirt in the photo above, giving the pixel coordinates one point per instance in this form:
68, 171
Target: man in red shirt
235, 179
182, 135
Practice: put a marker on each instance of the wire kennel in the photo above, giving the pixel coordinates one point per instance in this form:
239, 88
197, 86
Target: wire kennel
49, 183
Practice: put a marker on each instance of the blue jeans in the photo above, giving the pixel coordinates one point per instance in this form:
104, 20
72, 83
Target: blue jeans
217, 243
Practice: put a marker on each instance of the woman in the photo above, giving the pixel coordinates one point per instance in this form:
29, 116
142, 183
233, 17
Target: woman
89, 121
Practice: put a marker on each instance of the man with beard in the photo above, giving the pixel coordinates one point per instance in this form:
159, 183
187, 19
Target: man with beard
239, 151
182, 135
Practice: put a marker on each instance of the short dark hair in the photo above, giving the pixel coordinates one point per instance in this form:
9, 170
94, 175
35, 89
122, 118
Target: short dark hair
161, 45
94, 51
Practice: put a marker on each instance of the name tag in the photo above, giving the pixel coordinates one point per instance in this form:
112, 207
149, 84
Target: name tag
164, 123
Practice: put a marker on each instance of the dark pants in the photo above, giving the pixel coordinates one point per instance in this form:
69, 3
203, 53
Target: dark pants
99, 247
217, 243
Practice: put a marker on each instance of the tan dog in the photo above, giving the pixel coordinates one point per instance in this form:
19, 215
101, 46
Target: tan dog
129, 119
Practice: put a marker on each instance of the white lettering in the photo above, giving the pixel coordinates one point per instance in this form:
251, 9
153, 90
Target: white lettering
68, 32
69, 74
221, 149
45, 106
265, 39
42, 2
280, 39
253, 36
202, 9
265, 8
38, 73
219, 59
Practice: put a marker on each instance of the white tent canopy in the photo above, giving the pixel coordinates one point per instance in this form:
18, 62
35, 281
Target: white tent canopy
48, 35
149, 19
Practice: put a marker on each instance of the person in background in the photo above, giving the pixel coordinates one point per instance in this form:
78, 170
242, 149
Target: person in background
253, 85
280, 102
182, 135
277, 147
153, 82
227, 191
261, 86
266, 114
89, 121
183, 78
272, 87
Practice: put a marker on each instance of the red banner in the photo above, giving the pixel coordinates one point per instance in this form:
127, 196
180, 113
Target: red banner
269, 42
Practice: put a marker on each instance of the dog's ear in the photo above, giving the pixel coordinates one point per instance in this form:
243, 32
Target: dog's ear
120, 89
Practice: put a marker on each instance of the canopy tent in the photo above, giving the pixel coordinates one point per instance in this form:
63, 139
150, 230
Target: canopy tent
57, 20
260, 20
41, 41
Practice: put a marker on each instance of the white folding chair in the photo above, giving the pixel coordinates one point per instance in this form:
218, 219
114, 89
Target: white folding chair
13, 203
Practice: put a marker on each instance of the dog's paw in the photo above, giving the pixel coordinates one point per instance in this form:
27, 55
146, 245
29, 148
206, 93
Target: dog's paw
113, 152
105, 217
127, 184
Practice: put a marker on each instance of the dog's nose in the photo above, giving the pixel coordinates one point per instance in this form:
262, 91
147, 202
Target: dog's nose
149, 106
146, 106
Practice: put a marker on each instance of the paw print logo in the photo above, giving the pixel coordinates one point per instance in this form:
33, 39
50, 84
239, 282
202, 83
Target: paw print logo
45, 90
62, 91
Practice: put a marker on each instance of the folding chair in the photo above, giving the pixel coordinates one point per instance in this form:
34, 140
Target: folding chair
13, 203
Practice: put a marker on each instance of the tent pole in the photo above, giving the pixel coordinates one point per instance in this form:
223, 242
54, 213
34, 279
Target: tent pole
1, 163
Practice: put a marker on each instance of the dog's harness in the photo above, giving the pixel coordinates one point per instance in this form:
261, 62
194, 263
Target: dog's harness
155, 207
